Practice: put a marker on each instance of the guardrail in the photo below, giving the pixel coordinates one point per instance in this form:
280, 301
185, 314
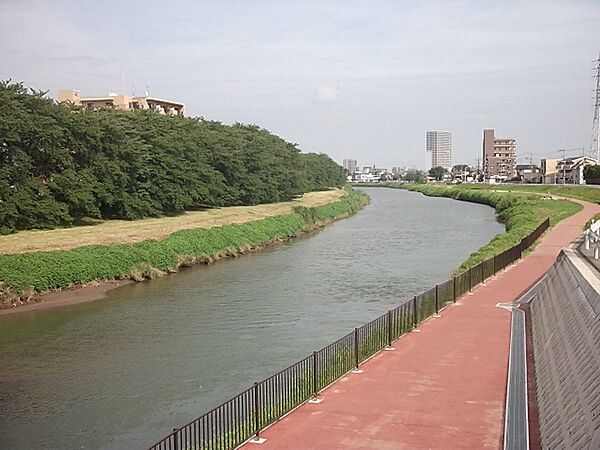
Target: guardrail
247, 414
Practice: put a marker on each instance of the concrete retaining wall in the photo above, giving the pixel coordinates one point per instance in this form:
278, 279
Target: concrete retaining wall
565, 321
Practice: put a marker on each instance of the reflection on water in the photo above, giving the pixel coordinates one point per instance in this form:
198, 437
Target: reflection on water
121, 372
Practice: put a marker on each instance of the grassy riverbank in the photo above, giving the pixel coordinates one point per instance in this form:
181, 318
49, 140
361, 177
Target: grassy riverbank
521, 212
111, 232
27, 273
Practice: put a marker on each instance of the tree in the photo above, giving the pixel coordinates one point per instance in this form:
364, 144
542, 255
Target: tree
592, 174
59, 163
437, 172
414, 176
460, 168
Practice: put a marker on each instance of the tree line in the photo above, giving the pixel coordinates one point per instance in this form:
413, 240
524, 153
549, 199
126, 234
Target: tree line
60, 163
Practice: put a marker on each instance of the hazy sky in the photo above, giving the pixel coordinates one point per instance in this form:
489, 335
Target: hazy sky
360, 79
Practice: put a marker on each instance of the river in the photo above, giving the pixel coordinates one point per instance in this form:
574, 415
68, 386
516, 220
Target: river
122, 371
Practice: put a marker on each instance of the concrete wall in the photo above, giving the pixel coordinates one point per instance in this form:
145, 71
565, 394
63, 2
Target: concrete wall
565, 320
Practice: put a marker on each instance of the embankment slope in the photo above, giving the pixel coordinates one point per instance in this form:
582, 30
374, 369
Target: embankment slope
24, 275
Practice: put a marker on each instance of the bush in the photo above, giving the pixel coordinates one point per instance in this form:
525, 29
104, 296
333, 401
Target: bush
60, 163
63, 268
520, 212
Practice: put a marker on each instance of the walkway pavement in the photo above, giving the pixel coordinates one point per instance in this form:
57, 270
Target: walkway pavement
442, 388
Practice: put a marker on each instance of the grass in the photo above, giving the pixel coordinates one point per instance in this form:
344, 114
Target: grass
587, 194
521, 210
109, 232
61, 269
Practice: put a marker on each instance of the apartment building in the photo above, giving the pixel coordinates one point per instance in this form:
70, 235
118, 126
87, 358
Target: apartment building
439, 149
549, 172
570, 170
123, 102
350, 165
499, 157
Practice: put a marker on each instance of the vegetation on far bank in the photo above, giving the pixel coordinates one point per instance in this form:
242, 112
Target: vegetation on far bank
587, 194
26, 273
60, 163
111, 232
521, 212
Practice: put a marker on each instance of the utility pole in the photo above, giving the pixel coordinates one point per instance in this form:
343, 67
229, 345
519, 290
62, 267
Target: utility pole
595, 128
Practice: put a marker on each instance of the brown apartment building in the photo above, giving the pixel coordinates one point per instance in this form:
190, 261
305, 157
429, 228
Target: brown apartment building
499, 157
123, 102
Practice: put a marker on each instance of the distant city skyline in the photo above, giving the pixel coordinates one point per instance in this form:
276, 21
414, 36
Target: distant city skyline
343, 78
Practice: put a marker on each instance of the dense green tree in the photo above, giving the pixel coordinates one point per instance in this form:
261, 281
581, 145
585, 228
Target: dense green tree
592, 174
59, 163
460, 168
437, 172
414, 176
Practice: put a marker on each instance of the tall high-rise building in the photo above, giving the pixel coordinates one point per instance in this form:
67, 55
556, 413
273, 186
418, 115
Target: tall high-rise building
350, 165
499, 156
439, 149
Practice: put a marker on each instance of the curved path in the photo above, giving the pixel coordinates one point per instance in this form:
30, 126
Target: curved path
442, 388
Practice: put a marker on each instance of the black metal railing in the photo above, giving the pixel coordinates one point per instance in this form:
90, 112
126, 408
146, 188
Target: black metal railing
247, 414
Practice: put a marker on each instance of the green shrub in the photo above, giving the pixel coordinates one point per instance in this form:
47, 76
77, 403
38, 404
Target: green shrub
520, 211
62, 268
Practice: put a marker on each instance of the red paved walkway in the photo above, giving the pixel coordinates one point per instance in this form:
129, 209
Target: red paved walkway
442, 388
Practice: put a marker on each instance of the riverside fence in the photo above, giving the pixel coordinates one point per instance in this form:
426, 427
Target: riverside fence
247, 414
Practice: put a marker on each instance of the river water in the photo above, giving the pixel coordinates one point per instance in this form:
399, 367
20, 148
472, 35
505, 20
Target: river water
122, 371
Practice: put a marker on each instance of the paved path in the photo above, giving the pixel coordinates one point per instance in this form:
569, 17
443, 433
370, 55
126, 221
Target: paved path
442, 388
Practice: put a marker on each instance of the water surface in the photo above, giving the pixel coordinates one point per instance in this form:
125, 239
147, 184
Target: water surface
121, 372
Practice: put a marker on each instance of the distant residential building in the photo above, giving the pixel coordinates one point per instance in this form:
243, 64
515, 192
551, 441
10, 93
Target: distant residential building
123, 102
549, 172
398, 171
364, 177
529, 173
570, 170
439, 149
350, 165
499, 157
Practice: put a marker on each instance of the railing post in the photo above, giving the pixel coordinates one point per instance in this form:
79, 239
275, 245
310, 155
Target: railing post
493, 265
356, 347
175, 439
437, 298
470, 285
315, 375
415, 318
389, 320
256, 412
482, 275
453, 289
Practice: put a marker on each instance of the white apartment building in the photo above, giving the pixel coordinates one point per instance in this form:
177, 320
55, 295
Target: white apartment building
350, 165
439, 149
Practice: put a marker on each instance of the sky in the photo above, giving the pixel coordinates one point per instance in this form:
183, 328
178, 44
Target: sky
353, 79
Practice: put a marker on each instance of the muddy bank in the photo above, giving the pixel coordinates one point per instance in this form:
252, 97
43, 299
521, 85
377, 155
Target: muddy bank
79, 294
